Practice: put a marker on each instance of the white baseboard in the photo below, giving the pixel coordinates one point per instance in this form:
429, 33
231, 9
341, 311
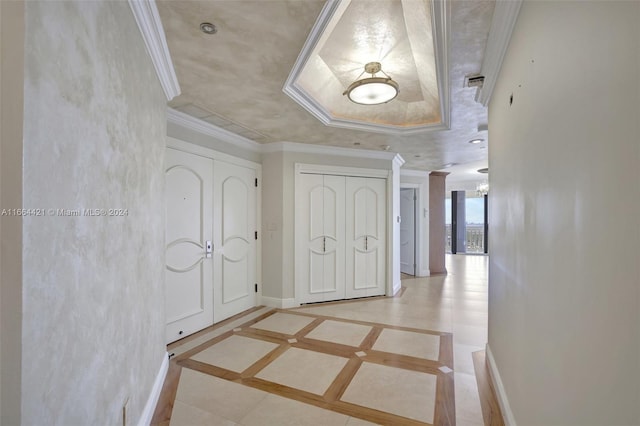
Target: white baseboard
396, 288
503, 401
424, 273
274, 302
150, 406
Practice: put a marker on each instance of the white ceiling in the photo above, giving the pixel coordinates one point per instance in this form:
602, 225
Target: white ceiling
234, 79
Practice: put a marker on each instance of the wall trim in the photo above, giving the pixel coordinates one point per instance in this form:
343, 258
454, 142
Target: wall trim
150, 406
396, 288
150, 25
301, 168
414, 173
398, 160
306, 148
274, 302
192, 148
441, 19
504, 20
202, 127
424, 273
503, 401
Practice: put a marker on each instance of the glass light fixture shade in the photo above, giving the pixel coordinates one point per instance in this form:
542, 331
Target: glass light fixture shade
482, 188
372, 91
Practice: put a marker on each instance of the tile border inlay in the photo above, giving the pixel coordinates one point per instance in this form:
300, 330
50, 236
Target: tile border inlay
444, 410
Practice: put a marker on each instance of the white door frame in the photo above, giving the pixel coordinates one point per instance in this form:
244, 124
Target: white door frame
414, 192
422, 225
216, 155
301, 168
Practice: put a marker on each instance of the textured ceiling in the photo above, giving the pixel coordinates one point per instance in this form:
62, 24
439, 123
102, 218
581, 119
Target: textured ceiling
234, 78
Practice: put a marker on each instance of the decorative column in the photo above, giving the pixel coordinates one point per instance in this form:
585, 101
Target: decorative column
437, 234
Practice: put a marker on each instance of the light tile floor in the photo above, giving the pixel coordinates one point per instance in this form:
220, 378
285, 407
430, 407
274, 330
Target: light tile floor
456, 303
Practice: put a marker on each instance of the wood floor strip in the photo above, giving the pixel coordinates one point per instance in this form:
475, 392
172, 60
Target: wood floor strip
328, 348
491, 412
205, 345
264, 361
341, 407
164, 406
446, 350
342, 380
403, 361
444, 413
266, 335
211, 370
371, 338
209, 329
312, 325
191, 352
373, 415
368, 323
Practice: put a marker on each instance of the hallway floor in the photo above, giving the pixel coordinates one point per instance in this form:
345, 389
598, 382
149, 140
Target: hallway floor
393, 360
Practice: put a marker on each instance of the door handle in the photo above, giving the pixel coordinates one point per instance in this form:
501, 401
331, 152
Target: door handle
366, 243
208, 249
324, 244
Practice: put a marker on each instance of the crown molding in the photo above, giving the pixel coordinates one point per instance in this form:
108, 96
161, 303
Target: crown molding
398, 160
414, 173
200, 126
504, 20
197, 125
150, 25
327, 150
441, 17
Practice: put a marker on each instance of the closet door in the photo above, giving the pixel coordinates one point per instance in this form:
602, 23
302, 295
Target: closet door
189, 227
365, 237
320, 255
234, 209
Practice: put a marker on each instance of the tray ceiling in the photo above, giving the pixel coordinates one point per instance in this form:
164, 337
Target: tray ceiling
235, 78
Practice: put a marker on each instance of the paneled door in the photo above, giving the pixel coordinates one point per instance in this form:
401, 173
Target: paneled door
365, 237
189, 229
320, 255
234, 239
408, 231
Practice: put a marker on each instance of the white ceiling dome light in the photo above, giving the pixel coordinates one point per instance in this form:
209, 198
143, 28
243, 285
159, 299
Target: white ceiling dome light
372, 90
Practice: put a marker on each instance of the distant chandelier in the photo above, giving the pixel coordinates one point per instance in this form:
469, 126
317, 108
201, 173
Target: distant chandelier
482, 189
372, 90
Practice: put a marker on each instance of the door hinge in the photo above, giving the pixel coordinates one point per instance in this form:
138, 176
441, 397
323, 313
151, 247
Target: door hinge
256, 287
256, 182
256, 235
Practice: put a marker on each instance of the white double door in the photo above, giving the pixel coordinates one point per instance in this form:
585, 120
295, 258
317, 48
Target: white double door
340, 237
210, 241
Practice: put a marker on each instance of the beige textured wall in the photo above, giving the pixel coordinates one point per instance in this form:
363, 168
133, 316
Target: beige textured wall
94, 137
564, 274
11, 84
